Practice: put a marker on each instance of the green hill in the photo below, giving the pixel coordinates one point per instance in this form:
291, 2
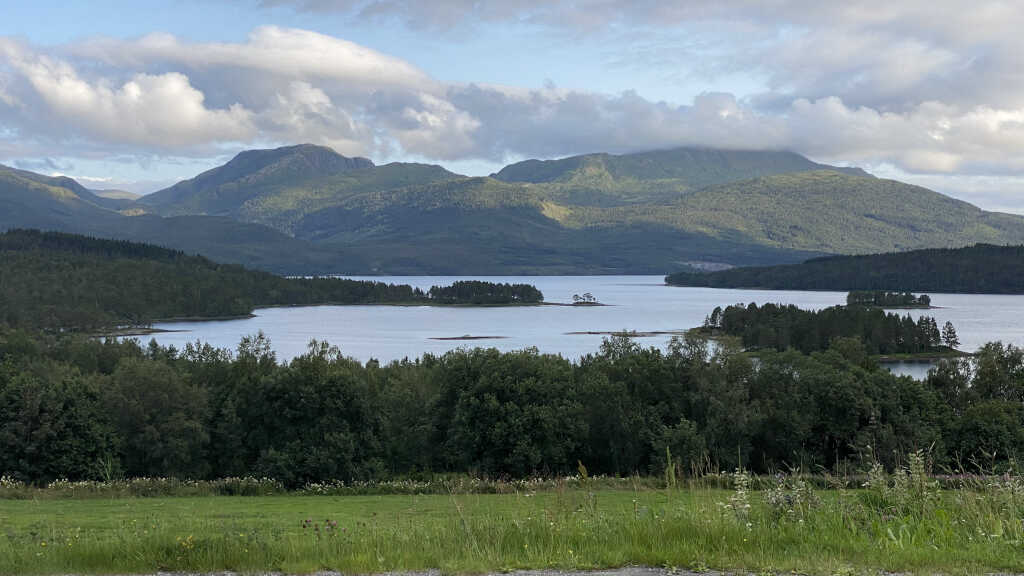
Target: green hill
659, 176
823, 211
976, 269
29, 200
57, 281
306, 209
597, 213
485, 226
278, 187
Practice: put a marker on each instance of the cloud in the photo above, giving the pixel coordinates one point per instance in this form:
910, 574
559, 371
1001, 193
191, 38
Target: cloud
271, 51
159, 111
857, 82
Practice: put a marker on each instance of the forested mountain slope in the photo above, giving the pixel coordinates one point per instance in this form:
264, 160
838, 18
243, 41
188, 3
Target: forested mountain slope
58, 281
279, 187
643, 212
976, 269
308, 210
29, 200
824, 211
652, 177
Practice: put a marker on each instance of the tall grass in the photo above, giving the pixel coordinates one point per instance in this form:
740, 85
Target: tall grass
894, 521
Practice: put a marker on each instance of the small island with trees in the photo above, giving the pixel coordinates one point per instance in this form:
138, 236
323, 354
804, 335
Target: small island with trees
585, 299
886, 336
885, 299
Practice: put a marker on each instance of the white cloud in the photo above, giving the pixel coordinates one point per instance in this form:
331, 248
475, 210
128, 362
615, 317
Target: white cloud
161, 111
895, 84
271, 50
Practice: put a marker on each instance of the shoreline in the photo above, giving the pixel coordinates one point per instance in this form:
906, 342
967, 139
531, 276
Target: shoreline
922, 357
467, 337
628, 333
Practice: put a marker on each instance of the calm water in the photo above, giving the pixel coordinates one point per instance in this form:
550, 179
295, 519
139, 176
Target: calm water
641, 303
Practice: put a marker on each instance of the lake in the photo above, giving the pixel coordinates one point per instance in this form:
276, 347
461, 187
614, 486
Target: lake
641, 303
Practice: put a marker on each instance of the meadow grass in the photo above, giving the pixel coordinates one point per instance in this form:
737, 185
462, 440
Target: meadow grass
898, 523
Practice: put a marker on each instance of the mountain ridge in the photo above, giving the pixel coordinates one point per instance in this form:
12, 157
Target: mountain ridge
306, 209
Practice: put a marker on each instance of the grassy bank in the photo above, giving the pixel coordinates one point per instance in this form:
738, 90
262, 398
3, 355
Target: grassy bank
897, 523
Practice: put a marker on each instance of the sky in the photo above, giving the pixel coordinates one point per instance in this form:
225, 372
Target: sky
137, 95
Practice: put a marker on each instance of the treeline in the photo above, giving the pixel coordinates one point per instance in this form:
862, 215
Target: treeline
78, 408
978, 269
885, 299
781, 327
479, 292
54, 281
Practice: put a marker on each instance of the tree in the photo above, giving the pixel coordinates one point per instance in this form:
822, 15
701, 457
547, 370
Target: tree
949, 337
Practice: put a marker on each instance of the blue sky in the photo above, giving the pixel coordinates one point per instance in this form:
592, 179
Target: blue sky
137, 95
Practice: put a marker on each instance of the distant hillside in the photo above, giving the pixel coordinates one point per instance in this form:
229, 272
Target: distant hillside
29, 200
822, 211
52, 280
485, 226
658, 176
115, 194
306, 209
278, 187
976, 269
224, 188
598, 213
115, 199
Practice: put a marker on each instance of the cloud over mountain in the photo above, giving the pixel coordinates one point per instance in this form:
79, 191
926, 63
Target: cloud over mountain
899, 84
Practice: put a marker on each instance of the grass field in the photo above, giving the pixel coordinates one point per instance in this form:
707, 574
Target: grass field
899, 527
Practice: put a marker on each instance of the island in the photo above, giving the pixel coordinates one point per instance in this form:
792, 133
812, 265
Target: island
884, 336
891, 300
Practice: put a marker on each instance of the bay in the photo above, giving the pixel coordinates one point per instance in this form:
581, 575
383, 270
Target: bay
640, 303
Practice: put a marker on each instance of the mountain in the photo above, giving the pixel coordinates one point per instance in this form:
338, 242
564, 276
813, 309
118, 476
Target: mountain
824, 211
30, 200
114, 199
596, 213
485, 226
981, 268
226, 187
306, 209
658, 176
277, 187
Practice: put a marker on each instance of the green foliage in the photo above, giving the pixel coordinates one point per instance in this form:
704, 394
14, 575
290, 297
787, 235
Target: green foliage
976, 269
781, 327
61, 281
885, 299
79, 408
479, 292
975, 530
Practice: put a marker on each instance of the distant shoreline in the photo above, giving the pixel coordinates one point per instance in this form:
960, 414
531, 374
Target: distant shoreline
468, 337
628, 333
145, 331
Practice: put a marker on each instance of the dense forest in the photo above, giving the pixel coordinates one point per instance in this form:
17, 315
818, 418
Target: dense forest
52, 280
478, 292
979, 269
74, 407
884, 299
783, 327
